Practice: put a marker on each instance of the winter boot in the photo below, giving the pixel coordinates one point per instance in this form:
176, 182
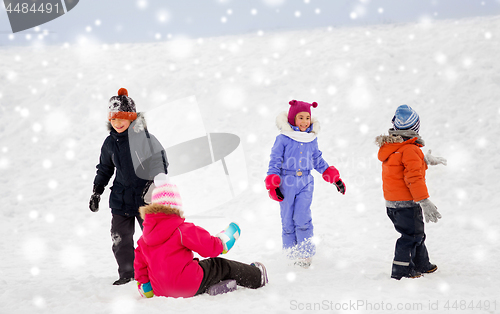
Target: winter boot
122, 281
223, 287
411, 274
432, 268
263, 272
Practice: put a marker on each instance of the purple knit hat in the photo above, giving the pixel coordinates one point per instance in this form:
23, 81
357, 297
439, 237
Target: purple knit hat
297, 106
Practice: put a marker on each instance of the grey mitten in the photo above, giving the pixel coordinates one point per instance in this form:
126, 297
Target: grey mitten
433, 160
430, 210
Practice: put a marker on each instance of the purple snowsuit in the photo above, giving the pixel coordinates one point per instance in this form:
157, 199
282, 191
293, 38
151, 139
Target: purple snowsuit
293, 160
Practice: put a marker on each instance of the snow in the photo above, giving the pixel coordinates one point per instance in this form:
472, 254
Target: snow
56, 254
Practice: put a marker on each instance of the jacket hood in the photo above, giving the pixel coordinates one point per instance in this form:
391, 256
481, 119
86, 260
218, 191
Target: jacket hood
160, 222
398, 136
395, 140
138, 124
284, 126
381, 140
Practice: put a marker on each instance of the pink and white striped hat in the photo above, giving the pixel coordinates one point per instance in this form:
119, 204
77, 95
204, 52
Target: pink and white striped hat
166, 192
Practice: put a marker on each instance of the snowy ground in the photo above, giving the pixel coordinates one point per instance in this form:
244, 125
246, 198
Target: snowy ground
56, 254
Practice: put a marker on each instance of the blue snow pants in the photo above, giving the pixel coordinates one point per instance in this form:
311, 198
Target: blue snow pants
296, 220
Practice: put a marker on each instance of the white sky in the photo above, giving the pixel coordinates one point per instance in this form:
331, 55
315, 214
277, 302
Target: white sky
111, 21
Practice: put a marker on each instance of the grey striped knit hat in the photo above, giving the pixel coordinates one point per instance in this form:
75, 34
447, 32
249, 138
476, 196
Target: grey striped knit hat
406, 118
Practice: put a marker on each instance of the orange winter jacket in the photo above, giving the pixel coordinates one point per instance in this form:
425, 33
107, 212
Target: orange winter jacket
403, 171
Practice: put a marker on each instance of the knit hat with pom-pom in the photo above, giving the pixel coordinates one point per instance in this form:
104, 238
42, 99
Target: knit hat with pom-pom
166, 193
299, 106
122, 106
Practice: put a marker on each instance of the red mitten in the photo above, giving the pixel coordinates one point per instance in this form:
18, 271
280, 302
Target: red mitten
331, 174
272, 181
276, 195
272, 185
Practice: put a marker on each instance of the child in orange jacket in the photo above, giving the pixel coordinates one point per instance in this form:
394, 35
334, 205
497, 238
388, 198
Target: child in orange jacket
405, 192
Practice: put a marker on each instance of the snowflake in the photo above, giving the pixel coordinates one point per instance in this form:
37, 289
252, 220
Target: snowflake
291, 276
273, 3
53, 184
47, 163
4, 163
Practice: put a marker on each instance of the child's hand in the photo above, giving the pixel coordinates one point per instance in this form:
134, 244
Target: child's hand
229, 236
145, 289
95, 198
433, 161
276, 195
430, 210
332, 175
272, 185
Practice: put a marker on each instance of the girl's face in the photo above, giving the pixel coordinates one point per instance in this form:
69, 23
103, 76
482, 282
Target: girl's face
303, 120
120, 125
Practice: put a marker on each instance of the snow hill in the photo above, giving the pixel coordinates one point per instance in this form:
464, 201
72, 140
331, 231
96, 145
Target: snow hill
56, 254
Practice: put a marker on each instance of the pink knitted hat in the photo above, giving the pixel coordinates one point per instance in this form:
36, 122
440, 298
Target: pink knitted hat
166, 193
299, 106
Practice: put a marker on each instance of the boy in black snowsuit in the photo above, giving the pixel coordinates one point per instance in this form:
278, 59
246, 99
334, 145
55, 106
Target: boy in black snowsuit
137, 157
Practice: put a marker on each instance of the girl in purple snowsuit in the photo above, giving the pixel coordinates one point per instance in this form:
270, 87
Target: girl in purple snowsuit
289, 181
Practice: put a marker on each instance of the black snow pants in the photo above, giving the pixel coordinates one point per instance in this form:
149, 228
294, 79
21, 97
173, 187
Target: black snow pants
410, 253
122, 235
218, 269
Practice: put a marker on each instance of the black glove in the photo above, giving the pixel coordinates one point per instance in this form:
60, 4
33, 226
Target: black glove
95, 198
340, 186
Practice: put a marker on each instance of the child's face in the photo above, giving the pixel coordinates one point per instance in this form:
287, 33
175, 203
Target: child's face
303, 120
120, 125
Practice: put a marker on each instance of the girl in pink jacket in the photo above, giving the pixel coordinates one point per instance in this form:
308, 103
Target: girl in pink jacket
164, 261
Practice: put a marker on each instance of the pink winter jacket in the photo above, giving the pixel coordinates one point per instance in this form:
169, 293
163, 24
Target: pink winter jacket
164, 254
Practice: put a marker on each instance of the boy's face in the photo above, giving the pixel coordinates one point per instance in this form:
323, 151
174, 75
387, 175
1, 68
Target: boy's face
303, 120
120, 125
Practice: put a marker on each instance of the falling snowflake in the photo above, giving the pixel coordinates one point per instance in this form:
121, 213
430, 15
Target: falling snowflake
142, 4
273, 3
251, 138
163, 16
440, 58
291, 276
34, 271
53, 184
4, 163
39, 302
47, 164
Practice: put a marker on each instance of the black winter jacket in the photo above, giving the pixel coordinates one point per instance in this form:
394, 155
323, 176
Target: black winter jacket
138, 157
